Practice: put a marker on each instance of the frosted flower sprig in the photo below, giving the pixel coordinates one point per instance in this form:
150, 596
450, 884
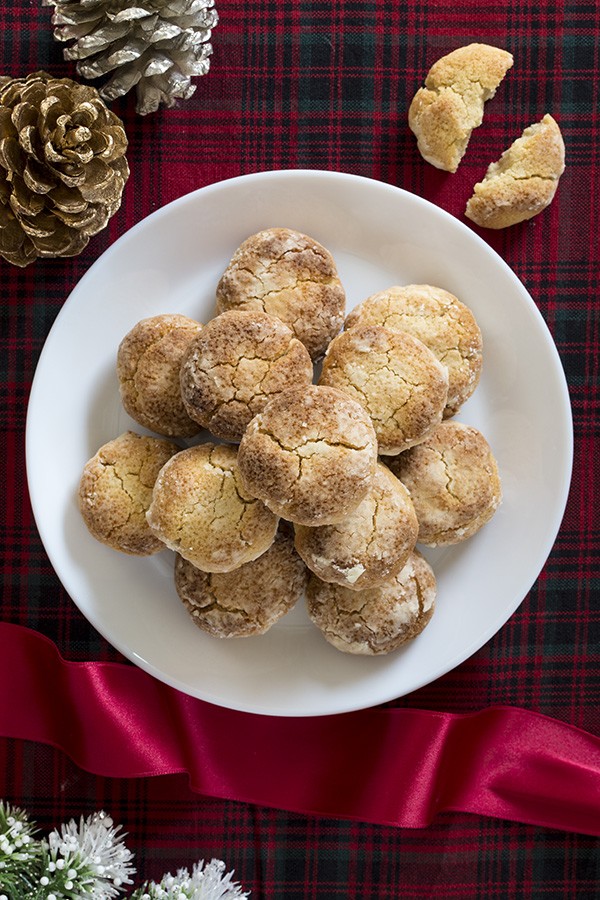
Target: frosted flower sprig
89, 860
206, 882
19, 851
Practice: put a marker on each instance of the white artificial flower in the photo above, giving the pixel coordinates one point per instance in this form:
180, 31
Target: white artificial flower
206, 882
92, 855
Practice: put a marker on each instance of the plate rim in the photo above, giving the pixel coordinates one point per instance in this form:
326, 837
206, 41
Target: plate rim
283, 174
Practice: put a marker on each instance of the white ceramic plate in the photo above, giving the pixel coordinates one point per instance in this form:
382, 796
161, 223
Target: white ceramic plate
379, 236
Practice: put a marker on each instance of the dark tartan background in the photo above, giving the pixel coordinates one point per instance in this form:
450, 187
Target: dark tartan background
327, 85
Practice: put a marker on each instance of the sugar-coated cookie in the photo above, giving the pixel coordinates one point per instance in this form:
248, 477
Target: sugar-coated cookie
438, 319
249, 600
369, 546
239, 361
115, 491
291, 276
201, 510
453, 482
310, 455
377, 620
148, 361
395, 377
523, 181
443, 114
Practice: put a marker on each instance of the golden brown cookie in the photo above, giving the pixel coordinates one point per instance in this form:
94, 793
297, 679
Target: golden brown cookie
247, 601
116, 489
440, 321
291, 276
371, 545
523, 181
443, 114
377, 620
200, 509
395, 377
310, 455
453, 482
239, 361
148, 361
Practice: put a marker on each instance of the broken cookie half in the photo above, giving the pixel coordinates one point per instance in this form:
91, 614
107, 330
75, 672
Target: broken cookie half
443, 114
523, 181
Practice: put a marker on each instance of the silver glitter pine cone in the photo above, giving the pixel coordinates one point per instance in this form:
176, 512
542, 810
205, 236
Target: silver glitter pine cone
156, 46
62, 166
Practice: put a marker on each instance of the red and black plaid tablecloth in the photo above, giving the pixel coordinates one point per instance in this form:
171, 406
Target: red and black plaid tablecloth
299, 84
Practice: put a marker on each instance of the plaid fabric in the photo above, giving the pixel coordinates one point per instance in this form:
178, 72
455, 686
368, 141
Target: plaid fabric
294, 84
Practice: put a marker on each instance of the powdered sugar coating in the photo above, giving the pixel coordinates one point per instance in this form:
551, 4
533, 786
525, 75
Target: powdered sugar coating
442, 322
395, 377
310, 455
115, 491
201, 510
249, 600
453, 481
148, 361
291, 276
240, 361
523, 181
444, 113
369, 546
377, 620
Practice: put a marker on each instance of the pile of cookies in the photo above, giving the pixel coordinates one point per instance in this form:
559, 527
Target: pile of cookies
318, 489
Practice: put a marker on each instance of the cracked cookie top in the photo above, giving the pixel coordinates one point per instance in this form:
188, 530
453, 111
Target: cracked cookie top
440, 321
148, 361
310, 455
201, 510
453, 482
291, 276
369, 546
523, 181
443, 114
115, 491
376, 620
239, 361
395, 377
249, 600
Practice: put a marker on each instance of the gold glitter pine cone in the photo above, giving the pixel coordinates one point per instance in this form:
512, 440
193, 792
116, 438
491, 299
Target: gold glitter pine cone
62, 166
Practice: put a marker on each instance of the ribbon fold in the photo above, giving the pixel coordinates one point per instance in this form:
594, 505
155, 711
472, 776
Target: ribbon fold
387, 766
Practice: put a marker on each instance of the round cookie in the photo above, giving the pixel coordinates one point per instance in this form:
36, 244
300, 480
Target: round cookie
523, 181
247, 601
200, 509
443, 114
453, 481
148, 361
310, 455
291, 276
115, 492
395, 377
377, 620
440, 321
369, 546
239, 361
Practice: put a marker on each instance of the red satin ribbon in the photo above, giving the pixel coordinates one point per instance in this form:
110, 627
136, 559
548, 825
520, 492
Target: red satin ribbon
387, 766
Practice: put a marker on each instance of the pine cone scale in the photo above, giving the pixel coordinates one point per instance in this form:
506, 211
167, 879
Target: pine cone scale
100, 183
36, 178
67, 201
23, 116
12, 157
23, 202
11, 233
